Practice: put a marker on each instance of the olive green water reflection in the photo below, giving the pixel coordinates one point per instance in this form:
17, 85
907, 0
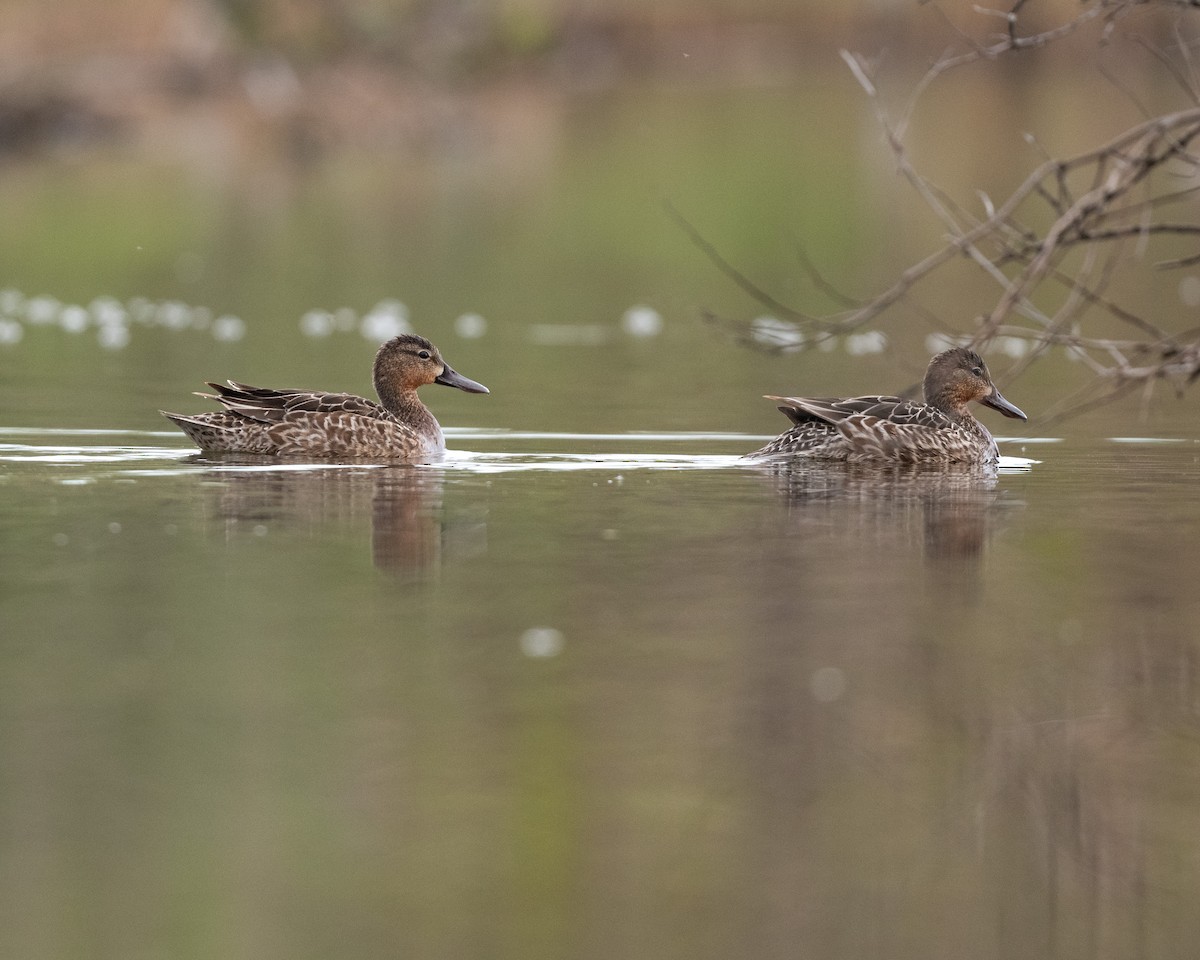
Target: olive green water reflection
301, 712
572, 695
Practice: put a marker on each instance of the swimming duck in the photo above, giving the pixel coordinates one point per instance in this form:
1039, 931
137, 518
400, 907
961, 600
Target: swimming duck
309, 423
862, 429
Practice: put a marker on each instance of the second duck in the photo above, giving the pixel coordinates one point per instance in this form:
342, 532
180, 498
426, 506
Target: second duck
891, 429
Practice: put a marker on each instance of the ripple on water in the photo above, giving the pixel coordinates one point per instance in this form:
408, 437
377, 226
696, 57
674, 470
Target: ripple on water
130, 459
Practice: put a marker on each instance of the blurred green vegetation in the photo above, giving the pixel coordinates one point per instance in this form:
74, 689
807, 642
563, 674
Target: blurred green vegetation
270, 187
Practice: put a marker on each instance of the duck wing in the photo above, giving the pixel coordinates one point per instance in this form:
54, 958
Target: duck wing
346, 434
836, 410
273, 406
869, 428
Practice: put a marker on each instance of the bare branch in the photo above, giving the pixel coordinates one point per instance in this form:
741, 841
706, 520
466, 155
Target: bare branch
732, 272
820, 283
1076, 227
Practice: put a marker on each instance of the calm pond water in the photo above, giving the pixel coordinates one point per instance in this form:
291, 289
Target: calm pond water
598, 696
595, 686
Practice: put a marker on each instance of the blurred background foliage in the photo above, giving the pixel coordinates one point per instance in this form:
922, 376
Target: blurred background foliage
324, 73
264, 158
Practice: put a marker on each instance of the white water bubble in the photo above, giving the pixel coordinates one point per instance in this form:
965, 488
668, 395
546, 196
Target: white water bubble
10, 332
773, 332
114, 527
470, 326
60, 539
228, 328
73, 319
393, 306
387, 319
345, 319
112, 321
173, 315
938, 342
867, 342
41, 310
382, 326
1015, 347
541, 642
113, 336
106, 310
10, 300
642, 321
317, 323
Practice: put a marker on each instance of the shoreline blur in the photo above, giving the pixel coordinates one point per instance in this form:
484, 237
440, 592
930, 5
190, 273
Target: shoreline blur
298, 80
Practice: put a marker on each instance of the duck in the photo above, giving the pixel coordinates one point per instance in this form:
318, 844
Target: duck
310, 423
887, 429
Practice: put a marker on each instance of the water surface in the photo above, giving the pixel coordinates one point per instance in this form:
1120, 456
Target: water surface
595, 686
597, 695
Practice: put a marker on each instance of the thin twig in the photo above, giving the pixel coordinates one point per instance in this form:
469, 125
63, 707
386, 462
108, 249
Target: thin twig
732, 272
1103, 207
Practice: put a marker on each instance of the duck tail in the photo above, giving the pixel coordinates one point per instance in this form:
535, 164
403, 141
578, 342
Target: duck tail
216, 432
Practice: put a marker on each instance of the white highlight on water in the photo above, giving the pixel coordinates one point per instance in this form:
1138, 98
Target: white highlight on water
642, 321
387, 319
867, 342
228, 328
317, 323
73, 319
470, 326
538, 642
773, 332
42, 310
10, 331
112, 336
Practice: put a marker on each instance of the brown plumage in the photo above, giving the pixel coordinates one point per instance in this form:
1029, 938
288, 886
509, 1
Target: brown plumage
309, 423
863, 429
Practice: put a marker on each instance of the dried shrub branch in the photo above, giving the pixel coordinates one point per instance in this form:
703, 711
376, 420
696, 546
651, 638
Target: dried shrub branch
1074, 225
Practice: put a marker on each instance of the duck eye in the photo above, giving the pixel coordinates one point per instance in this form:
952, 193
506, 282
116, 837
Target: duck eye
978, 371
424, 354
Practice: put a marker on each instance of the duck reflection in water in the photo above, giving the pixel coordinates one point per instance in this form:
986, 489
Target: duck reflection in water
895, 458
951, 507
410, 535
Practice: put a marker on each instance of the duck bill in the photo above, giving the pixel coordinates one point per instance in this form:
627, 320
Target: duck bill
997, 402
452, 378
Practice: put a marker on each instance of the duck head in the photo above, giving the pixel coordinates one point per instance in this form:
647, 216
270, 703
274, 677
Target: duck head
408, 361
958, 376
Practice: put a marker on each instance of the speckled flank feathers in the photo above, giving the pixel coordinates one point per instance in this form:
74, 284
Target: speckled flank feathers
312, 424
891, 429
